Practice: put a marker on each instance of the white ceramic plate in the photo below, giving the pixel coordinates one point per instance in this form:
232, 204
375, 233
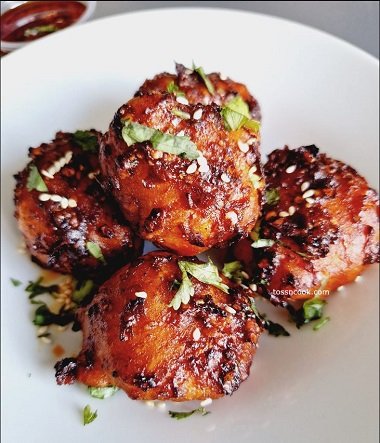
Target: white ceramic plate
313, 88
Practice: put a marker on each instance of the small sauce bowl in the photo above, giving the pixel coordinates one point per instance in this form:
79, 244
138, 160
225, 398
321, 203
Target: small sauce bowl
23, 22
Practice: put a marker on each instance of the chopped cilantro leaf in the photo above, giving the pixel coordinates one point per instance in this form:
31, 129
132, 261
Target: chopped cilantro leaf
88, 415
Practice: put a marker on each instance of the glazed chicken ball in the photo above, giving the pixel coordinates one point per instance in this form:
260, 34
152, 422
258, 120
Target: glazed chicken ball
166, 328
319, 227
68, 223
220, 90
184, 181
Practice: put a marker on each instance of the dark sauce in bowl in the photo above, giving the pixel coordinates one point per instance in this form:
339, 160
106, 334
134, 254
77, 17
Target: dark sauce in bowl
34, 19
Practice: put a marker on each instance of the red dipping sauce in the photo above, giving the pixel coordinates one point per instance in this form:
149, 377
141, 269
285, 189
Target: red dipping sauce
35, 19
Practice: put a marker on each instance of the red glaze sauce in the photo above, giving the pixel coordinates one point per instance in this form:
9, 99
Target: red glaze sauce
35, 19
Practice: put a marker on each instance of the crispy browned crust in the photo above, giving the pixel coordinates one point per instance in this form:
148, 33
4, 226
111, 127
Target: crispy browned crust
328, 241
185, 213
56, 237
147, 348
196, 92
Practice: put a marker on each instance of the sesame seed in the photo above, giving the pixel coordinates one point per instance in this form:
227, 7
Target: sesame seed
182, 100
308, 193
44, 197
253, 287
230, 310
202, 160
253, 169
46, 174
244, 274
204, 168
223, 77
231, 215
290, 169
340, 288
310, 200
141, 294
64, 203
191, 168
291, 210
51, 171
305, 186
196, 334
55, 198
181, 133
42, 330
206, 402
358, 279
197, 114
72, 203
283, 214
244, 147
225, 177
243, 286
45, 340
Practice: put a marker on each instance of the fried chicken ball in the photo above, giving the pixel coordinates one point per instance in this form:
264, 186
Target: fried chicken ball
180, 203
320, 227
134, 340
194, 87
68, 223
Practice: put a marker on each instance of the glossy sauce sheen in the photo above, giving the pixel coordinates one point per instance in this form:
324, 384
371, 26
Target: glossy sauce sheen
148, 349
185, 213
56, 237
328, 241
33, 14
196, 91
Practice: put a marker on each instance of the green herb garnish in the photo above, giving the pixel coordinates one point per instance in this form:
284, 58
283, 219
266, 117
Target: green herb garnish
37, 30
102, 393
84, 289
262, 243
204, 272
172, 144
181, 114
172, 88
235, 114
311, 310
94, 249
35, 288
86, 140
184, 292
35, 181
180, 415
204, 77
272, 196
230, 269
44, 317
88, 415
276, 329
321, 323
273, 328
15, 282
